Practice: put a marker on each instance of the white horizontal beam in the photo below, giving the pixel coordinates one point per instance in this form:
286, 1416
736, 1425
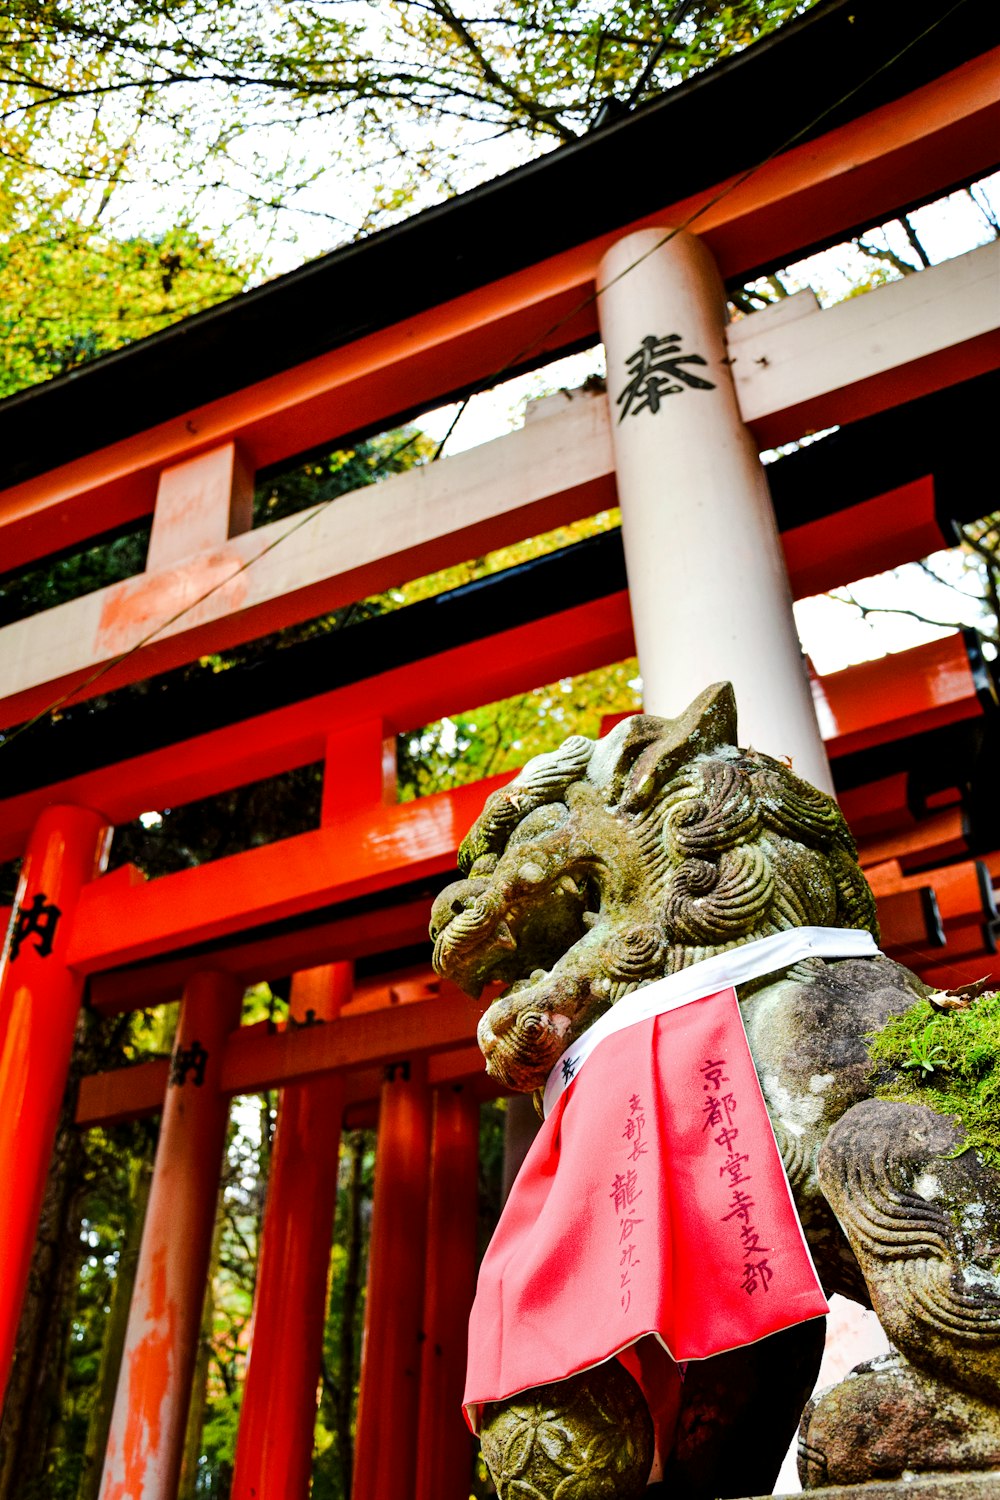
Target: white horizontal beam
363, 543
797, 369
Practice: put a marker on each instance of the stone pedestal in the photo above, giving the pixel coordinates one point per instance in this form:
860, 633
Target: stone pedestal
921, 1487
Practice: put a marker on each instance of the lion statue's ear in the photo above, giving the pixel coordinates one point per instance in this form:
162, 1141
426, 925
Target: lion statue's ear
642, 753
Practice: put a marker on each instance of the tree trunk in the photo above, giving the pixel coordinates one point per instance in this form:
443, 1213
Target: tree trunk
36, 1379
188, 1486
343, 1406
140, 1175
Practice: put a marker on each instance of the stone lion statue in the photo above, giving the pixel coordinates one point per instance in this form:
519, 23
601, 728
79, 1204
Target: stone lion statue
606, 865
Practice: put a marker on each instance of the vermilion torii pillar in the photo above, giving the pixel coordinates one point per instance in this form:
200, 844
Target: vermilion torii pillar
275, 1442
39, 1005
385, 1449
445, 1448
146, 1440
707, 581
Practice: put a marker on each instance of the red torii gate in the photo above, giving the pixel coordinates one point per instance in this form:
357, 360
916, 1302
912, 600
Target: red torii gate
402, 1049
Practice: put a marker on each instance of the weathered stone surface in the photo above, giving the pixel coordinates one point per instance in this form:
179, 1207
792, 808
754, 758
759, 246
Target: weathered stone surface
873, 1423
917, 1487
922, 1216
584, 1439
608, 864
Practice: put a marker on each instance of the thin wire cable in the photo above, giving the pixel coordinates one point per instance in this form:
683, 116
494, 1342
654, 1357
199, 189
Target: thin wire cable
108, 666
536, 343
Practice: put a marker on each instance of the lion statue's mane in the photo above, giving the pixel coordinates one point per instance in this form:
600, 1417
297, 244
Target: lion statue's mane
606, 864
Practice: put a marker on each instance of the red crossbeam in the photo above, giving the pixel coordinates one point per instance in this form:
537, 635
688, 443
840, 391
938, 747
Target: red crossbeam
373, 848
941, 836
971, 942
900, 695
136, 1093
564, 644
884, 532
956, 971
909, 920
384, 930
863, 705
257, 1058
879, 806
940, 921
964, 891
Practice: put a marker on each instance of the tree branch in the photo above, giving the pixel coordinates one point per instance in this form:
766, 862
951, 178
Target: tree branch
914, 239
547, 118
889, 609
886, 253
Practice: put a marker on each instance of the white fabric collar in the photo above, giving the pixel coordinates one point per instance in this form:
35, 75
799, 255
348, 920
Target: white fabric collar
723, 970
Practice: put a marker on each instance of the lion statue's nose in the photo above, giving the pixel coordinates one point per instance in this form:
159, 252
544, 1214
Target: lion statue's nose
452, 901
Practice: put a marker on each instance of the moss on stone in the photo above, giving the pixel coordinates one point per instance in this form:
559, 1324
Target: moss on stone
949, 1060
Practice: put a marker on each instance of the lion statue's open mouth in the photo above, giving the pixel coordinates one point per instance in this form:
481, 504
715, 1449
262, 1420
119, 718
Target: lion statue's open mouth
607, 864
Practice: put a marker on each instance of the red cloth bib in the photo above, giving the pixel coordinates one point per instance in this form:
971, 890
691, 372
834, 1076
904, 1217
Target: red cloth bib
653, 1201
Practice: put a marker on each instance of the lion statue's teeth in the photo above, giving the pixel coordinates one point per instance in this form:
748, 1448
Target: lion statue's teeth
503, 936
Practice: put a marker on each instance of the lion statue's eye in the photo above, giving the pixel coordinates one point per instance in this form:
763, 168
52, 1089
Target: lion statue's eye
540, 822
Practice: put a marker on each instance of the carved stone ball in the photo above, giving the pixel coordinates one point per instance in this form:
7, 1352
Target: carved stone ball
588, 1438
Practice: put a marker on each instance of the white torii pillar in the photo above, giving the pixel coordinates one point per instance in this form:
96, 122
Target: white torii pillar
707, 581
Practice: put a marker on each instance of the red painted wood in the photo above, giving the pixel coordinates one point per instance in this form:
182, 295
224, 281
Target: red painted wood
335, 941
884, 532
262, 1061
445, 1448
116, 1096
121, 1094
931, 842
878, 806
376, 846
903, 694
575, 640
427, 1016
867, 704
275, 1440
968, 941
39, 1005
906, 923
371, 850
939, 837
945, 976
385, 1448
964, 891
146, 1439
